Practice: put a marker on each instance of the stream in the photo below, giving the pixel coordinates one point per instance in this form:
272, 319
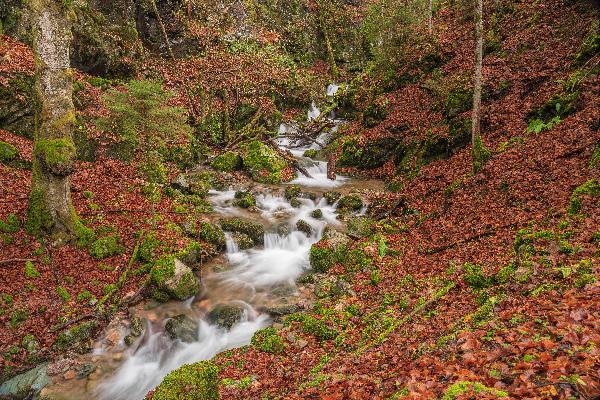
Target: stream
256, 279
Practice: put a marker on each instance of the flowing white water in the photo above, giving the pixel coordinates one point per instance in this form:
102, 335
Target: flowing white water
280, 261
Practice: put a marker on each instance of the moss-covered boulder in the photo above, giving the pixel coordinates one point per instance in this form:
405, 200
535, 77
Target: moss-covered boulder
17, 106
350, 203
268, 340
304, 226
360, 227
190, 382
239, 225
332, 197
292, 191
226, 315
170, 275
227, 162
263, 163
244, 199
243, 241
77, 337
211, 233
194, 253
317, 214
311, 153
106, 246
8, 152
181, 327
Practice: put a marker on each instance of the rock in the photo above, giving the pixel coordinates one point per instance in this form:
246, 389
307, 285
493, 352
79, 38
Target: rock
212, 234
248, 227
70, 374
332, 197
301, 343
317, 214
264, 164
227, 162
304, 226
292, 191
283, 230
182, 184
332, 287
295, 203
30, 344
172, 276
281, 310
335, 238
226, 315
76, 337
244, 199
28, 384
360, 227
85, 370
183, 328
350, 203
137, 328
243, 241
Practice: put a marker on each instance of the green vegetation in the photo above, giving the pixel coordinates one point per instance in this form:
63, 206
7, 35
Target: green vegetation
190, 382
106, 246
148, 248
268, 340
350, 203
263, 163
463, 387
590, 188
211, 234
239, 225
292, 191
310, 153
30, 271
63, 293
8, 152
10, 225
244, 199
227, 162
313, 326
76, 337
170, 276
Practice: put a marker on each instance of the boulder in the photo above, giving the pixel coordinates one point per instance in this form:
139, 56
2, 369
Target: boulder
226, 315
172, 276
304, 226
239, 225
243, 241
182, 327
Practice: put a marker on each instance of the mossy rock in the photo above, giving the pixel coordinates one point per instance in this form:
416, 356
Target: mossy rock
304, 226
190, 382
106, 246
350, 203
591, 188
227, 162
8, 152
181, 327
211, 234
360, 227
373, 154
170, 275
317, 214
239, 225
77, 337
313, 326
560, 105
322, 258
243, 241
148, 248
226, 315
292, 191
311, 153
268, 340
458, 101
263, 163
332, 197
244, 199
194, 253
17, 106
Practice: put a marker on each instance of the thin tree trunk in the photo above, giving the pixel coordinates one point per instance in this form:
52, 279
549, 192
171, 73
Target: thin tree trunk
476, 116
430, 16
50, 207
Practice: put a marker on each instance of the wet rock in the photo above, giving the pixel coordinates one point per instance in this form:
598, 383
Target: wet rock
283, 230
28, 384
243, 241
281, 310
85, 370
295, 203
182, 184
350, 203
317, 214
335, 238
226, 315
70, 374
78, 337
170, 275
304, 226
183, 328
212, 234
332, 197
244, 199
283, 291
239, 225
137, 328
292, 191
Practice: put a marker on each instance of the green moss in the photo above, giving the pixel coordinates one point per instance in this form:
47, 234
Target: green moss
18, 316
30, 344
57, 154
211, 234
474, 276
332, 197
263, 163
106, 246
317, 214
268, 340
63, 293
351, 202
250, 228
322, 258
244, 199
360, 227
163, 273
590, 188
462, 387
590, 45
481, 154
30, 271
313, 326
8, 152
85, 295
373, 154
148, 248
10, 225
292, 191
190, 382
227, 162
595, 159
75, 336
310, 153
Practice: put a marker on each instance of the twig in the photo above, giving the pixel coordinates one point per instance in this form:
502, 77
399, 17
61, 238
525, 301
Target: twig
73, 321
15, 260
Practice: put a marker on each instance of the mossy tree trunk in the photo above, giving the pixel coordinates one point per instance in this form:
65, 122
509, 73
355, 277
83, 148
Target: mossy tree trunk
50, 207
480, 153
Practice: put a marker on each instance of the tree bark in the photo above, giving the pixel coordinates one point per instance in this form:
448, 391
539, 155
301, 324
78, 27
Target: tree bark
430, 17
478, 150
50, 207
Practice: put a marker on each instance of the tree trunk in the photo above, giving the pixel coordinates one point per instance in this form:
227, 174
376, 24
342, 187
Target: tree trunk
479, 151
430, 17
50, 207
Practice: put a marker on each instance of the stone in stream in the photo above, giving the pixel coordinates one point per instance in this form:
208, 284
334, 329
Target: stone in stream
283, 230
304, 226
183, 328
239, 225
136, 328
332, 197
212, 234
26, 385
226, 315
243, 241
317, 214
244, 199
172, 276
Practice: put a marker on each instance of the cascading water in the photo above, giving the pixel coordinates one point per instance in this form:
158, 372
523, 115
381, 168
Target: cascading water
252, 272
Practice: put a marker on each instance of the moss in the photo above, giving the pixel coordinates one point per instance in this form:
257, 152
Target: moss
163, 273
360, 227
311, 153
8, 152
227, 162
148, 248
106, 246
244, 199
461, 387
18, 316
57, 155
590, 45
211, 234
63, 293
474, 277
268, 340
373, 154
375, 113
304, 226
190, 382
292, 191
30, 271
595, 159
555, 108
243, 241
351, 202
313, 326
481, 154
239, 225
30, 344
10, 225
322, 258
332, 197
76, 336
590, 188
317, 214
457, 101
263, 163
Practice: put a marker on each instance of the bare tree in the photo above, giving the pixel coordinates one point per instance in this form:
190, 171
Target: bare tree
50, 207
480, 153
430, 17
